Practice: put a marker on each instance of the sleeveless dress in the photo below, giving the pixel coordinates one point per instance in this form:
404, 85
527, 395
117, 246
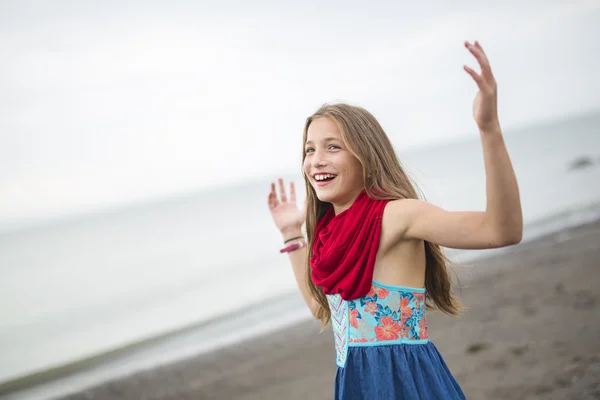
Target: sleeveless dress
383, 349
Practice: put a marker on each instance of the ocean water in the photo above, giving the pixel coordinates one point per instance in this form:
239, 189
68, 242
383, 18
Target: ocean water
76, 288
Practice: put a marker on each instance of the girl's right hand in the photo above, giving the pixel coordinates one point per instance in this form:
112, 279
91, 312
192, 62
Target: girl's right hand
286, 214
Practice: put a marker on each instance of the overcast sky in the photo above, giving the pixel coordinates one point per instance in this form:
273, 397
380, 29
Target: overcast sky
109, 101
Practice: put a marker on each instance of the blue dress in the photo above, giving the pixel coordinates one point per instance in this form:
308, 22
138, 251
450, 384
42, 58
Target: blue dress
383, 349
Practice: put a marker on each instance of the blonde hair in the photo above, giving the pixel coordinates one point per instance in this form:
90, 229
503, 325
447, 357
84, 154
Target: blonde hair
384, 178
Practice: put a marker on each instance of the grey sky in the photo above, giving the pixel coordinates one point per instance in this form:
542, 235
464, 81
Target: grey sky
104, 102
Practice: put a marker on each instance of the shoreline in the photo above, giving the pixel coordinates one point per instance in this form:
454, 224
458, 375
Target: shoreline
122, 354
19, 386
528, 332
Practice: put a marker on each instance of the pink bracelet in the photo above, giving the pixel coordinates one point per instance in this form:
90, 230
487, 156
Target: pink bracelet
293, 247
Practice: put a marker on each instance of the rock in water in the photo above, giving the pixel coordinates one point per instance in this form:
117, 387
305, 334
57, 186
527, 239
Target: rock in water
581, 162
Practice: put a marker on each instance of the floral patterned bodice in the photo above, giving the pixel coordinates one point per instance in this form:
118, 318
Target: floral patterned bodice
386, 315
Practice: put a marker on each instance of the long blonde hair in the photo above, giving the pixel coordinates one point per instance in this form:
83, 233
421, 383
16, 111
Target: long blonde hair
384, 178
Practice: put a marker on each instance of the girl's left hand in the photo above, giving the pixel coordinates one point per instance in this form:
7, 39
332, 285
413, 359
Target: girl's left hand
485, 106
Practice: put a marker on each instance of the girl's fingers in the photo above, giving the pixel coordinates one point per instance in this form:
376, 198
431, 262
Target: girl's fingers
479, 56
481, 59
478, 45
484, 56
282, 190
272, 199
292, 193
476, 77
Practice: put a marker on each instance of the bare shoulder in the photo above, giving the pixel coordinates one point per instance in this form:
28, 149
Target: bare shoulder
405, 205
404, 208
397, 218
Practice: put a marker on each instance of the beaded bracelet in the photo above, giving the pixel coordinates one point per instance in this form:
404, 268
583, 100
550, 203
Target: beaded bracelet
293, 247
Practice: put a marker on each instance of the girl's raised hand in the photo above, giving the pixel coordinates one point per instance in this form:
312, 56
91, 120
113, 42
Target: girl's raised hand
285, 213
485, 106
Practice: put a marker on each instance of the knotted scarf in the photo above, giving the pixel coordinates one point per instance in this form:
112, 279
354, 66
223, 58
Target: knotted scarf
345, 247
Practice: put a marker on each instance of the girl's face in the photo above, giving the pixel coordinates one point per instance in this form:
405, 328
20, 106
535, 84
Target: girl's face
333, 171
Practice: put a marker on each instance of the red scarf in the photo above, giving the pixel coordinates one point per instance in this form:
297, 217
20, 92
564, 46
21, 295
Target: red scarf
345, 247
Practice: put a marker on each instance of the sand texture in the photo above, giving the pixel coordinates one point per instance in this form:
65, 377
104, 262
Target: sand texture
531, 330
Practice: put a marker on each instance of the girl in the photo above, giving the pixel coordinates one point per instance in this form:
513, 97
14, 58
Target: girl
371, 261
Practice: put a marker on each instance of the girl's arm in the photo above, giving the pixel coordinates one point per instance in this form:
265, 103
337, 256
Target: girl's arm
502, 222
298, 261
289, 220
500, 225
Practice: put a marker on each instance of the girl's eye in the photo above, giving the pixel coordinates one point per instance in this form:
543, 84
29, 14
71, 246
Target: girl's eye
310, 149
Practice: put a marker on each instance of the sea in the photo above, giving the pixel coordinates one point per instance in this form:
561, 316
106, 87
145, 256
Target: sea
98, 296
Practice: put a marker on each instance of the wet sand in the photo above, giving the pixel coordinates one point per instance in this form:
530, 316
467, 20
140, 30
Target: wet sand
531, 330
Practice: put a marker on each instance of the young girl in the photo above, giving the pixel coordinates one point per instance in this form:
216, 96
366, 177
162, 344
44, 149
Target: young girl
372, 261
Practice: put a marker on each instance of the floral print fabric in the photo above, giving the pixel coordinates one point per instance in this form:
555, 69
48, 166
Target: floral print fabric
388, 314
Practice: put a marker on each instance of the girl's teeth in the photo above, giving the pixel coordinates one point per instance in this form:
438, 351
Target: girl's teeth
323, 177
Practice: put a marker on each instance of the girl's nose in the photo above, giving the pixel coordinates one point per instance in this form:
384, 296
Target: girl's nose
317, 160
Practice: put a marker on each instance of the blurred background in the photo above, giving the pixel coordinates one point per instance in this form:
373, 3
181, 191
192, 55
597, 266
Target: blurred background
138, 141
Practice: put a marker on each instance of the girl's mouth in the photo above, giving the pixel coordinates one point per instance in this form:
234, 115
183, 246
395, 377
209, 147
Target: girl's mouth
325, 182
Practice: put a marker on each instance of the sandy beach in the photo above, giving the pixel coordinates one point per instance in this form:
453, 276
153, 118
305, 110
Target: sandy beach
531, 330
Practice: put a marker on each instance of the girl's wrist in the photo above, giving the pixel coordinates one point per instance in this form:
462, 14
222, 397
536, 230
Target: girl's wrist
491, 129
293, 239
291, 233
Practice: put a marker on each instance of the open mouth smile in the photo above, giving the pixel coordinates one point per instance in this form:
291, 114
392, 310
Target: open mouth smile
324, 179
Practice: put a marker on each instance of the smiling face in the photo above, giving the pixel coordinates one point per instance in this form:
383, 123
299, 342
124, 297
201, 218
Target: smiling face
333, 171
